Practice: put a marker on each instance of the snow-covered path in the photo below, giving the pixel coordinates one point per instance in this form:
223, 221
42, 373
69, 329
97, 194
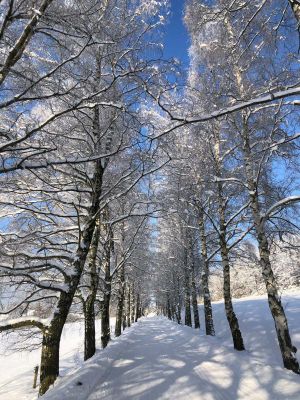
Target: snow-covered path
158, 360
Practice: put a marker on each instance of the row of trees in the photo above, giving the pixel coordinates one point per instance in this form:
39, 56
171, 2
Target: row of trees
99, 140
75, 169
233, 189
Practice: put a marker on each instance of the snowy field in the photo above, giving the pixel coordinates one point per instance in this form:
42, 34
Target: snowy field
157, 359
16, 370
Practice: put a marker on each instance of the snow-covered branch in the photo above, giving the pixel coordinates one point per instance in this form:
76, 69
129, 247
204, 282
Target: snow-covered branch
279, 205
23, 322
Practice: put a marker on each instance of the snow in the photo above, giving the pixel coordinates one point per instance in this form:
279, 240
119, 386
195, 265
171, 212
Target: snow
13, 321
182, 120
16, 369
284, 202
158, 359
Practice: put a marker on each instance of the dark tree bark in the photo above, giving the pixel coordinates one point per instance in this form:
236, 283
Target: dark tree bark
179, 302
169, 312
124, 322
230, 314
192, 281
129, 306
105, 317
194, 297
132, 305
49, 368
187, 293
287, 349
89, 329
124, 317
236, 334
173, 311
120, 304
209, 324
137, 308
89, 304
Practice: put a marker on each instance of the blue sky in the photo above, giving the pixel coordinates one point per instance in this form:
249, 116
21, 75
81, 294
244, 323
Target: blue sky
176, 38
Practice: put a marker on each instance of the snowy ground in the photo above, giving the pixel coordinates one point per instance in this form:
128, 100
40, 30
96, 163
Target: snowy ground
16, 369
157, 359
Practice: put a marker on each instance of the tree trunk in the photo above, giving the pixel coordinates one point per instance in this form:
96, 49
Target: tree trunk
281, 325
51, 340
169, 312
137, 308
209, 323
89, 305
105, 320
194, 299
89, 329
179, 302
124, 321
178, 313
173, 309
49, 369
187, 296
230, 314
120, 305
124, 318
129, 306
132, 306
105, 317
138, 312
